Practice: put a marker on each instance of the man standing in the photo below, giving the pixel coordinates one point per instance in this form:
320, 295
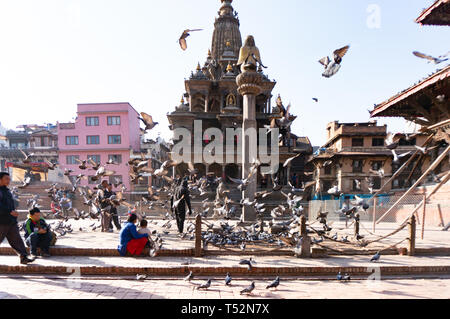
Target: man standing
182, 195
105, 206
37, 233
66, 205
108, 193
8, 220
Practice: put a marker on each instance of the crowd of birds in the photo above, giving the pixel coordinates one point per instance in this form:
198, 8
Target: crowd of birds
223, 206
345, 278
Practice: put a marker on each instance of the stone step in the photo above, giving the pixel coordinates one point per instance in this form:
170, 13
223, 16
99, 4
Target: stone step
190, 252
214, 266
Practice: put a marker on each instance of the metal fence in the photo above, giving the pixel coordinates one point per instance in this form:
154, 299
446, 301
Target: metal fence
436, 211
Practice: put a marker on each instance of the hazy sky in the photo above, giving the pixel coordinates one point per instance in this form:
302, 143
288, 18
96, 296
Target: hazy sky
57, 53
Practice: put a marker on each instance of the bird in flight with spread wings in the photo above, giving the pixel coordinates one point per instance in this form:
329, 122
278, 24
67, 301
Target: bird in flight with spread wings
182, 40
332, 66
430, 58
148, 121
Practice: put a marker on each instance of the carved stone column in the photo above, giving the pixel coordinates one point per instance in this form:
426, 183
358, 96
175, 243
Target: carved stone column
249, 86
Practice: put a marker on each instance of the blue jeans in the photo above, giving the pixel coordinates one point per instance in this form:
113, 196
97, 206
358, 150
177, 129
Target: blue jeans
42, 241
67, 205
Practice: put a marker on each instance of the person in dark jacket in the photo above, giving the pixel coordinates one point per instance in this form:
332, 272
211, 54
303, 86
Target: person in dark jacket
108, 193
131, 241
106, 207
8, 220
182, 195
37, 233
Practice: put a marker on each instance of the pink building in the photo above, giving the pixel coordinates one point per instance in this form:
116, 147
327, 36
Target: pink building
100, 132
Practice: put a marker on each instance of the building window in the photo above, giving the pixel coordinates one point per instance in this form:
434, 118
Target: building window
357, 166
376, 183
396, 184
71, 159
327, 185
356, 185
72, 179
328, 170
95, 139
115, 179
114, 139
404, 142
116, 159
113, 120
357, 142
95, 158
71, 140
376, 166
92, 121
376, 142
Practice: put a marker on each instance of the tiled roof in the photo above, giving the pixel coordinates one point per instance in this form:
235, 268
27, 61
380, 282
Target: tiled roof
439, 75
436, 14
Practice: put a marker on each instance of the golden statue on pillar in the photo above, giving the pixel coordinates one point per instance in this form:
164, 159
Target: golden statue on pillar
249, 56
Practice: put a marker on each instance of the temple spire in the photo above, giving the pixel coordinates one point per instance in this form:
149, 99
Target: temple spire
226, 9
227, 39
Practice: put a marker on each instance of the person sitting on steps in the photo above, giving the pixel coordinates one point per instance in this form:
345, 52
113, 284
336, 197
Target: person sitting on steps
131, 242
37, 233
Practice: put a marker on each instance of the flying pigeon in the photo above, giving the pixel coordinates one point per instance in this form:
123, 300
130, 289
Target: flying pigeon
148, 121
189, 277
182, 40
333, 66
430, 58
247, 262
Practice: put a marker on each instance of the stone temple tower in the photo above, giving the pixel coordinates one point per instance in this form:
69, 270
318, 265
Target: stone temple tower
227, 40
211, 98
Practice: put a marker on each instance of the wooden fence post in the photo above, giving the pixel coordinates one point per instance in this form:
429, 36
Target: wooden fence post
440, 215
198, 236
423, 215
374, 214
357, 220
412, 236
306, 240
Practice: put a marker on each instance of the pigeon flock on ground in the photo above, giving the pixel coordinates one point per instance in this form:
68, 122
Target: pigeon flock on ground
285, 217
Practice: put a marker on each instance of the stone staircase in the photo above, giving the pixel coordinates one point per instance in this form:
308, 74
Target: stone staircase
44, 200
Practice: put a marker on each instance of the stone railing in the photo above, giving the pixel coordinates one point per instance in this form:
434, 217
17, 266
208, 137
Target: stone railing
67, 126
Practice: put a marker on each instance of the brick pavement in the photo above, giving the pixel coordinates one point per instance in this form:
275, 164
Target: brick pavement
49, 288
163, 266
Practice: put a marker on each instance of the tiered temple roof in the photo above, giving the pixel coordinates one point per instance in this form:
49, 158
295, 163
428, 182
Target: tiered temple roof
419, 100
437, 14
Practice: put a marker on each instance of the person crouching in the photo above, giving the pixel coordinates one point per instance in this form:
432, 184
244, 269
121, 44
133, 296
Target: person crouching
37, 233
131, 242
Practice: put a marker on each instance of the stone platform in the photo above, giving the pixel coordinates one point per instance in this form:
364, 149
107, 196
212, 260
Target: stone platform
86, 242
219, 266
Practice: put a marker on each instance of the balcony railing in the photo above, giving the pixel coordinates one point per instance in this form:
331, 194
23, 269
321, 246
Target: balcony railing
67, 126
